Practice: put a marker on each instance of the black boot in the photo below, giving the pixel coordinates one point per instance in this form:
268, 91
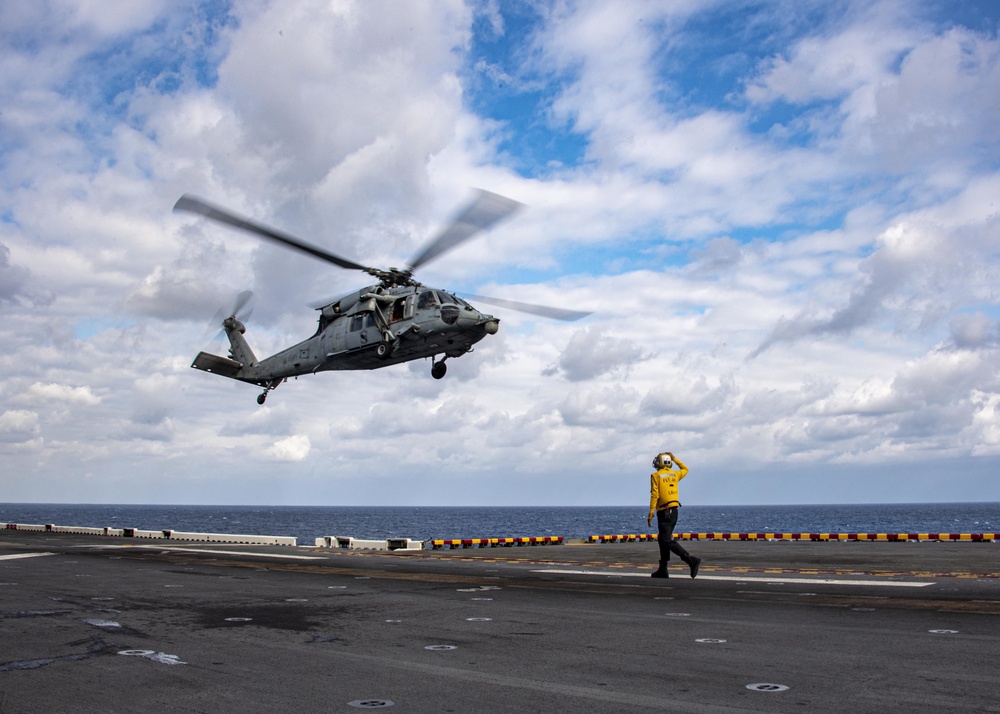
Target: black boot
660, 572
693, 563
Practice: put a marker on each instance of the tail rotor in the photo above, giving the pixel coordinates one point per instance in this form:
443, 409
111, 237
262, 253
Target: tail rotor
239, 314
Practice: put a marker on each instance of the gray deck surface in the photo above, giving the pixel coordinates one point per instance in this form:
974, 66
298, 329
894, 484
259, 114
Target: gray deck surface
92, 624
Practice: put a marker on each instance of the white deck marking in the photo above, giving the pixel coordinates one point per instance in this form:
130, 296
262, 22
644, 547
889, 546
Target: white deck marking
745, 579
15, 556
218, 552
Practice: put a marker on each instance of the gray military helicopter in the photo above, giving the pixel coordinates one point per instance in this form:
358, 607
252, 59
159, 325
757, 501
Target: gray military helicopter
394, 321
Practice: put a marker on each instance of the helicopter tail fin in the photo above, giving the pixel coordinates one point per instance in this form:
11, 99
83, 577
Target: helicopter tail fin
242, 362
239, 350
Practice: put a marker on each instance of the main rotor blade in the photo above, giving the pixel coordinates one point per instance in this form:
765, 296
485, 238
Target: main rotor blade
486, 210
554, 313
196, 205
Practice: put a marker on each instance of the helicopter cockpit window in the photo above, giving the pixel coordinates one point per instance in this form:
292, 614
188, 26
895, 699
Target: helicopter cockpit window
448, 298
357, 322
426, 300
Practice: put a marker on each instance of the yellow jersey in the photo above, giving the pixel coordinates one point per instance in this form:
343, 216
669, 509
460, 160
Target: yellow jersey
663, 491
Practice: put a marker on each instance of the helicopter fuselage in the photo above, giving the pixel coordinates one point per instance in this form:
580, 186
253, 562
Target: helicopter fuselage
371, 328
394, 321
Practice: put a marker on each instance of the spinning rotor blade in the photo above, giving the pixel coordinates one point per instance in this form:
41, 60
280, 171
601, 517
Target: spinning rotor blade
240, 311
242, 300
196, 205
554, 313
486, 210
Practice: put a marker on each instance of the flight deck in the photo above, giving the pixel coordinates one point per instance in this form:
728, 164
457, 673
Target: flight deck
93, 623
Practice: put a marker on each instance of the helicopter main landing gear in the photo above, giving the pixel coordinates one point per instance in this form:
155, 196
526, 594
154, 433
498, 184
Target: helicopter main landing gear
438, 369
386, 348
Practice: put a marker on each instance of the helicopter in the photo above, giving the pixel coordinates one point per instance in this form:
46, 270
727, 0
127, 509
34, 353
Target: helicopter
393, 321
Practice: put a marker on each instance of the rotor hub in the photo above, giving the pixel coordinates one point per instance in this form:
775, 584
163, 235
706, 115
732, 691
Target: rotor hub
393, 277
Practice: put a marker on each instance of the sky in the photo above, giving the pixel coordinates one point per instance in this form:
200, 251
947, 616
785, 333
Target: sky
784, 216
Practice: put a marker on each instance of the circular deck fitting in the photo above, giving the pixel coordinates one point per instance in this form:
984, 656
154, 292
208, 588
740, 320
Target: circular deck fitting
478, 619
239, 619
371, 703
710, 641
767, 687
441, 648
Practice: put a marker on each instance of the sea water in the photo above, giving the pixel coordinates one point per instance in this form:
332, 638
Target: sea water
423, 523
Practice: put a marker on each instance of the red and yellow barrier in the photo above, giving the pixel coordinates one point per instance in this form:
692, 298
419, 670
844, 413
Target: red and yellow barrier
887, 537
495, 542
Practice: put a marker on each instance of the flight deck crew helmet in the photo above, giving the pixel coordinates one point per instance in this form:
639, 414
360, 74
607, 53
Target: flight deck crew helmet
662, 461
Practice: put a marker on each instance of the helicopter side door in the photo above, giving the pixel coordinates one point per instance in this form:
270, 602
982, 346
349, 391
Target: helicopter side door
361, 331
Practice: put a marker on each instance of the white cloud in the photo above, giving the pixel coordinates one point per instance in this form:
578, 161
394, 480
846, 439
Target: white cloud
62, 394
592, 352
18, 425
975, 330
292, 448
823, 200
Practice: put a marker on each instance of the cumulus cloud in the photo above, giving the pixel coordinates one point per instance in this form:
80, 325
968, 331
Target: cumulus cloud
592, 352
817, 190
62, 394
975, 330
12, 277
292, 448
18, 425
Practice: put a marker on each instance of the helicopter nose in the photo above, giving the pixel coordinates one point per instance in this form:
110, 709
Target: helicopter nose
492, 326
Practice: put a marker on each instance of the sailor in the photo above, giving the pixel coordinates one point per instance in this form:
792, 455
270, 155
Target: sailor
663, 501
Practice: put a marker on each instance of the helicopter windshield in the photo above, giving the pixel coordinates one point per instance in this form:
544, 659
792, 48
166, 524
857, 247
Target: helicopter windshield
447, 298
426, 300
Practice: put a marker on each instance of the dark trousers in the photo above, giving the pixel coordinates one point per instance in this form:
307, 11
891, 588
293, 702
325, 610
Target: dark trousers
665, 522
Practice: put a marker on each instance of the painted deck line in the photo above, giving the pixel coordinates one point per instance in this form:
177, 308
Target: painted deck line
15, 556
735, 578
212, 551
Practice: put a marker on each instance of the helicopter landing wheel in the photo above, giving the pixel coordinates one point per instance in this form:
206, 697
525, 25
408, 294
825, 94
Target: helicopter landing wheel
261, 397
384, 350
438, 369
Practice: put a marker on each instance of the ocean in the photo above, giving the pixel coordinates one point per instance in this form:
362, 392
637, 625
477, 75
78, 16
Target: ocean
423, 523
